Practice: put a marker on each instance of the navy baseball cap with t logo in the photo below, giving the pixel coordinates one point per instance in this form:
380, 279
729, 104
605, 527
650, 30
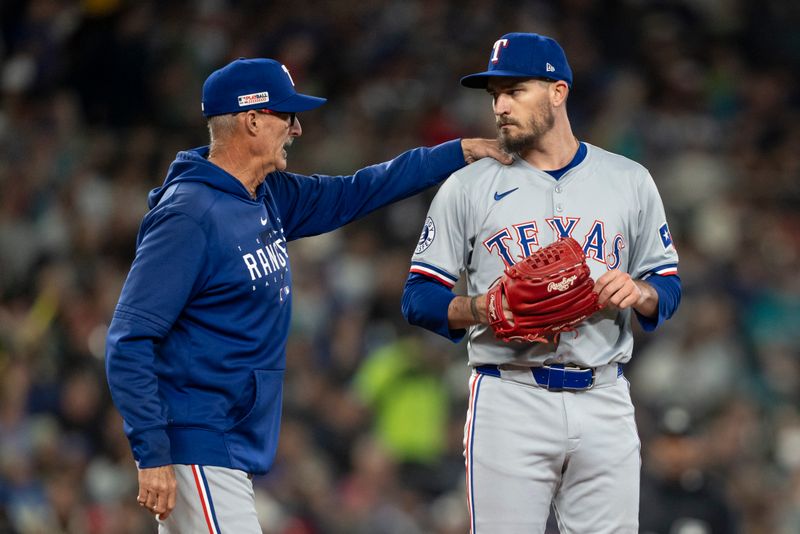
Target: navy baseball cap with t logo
523, 55
254, 84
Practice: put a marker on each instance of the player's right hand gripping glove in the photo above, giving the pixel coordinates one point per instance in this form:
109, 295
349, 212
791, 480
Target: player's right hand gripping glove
548, 292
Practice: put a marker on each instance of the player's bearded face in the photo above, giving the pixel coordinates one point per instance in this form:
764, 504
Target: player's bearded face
525, 135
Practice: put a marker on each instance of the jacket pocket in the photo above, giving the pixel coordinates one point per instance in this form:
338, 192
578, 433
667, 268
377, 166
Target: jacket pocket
253, 439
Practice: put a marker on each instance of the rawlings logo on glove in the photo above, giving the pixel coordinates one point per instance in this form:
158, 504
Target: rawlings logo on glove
562, 285
547, 293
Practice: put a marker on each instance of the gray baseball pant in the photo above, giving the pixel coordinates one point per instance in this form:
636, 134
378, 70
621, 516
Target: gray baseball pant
213, 500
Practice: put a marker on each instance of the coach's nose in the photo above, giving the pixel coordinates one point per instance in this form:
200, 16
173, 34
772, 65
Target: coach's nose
295, 130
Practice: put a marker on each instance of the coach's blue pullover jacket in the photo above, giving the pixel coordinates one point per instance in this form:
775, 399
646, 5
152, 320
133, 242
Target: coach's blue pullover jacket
195, 353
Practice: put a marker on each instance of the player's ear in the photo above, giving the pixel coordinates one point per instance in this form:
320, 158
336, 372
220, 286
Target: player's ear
558, 92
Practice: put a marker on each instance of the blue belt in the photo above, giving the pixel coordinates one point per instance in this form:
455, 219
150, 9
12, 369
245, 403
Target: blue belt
555, 377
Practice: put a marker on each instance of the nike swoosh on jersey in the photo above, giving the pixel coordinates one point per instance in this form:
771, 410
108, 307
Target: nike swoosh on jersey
498, 196
263, 221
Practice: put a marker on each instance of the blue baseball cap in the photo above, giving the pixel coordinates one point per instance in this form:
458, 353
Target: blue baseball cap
254, 84
523, 55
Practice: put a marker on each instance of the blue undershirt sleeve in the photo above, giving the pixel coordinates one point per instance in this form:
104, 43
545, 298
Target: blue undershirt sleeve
669, 296
425, 304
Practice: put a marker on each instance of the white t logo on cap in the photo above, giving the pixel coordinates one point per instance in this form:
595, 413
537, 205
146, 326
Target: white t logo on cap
496, 49
287, 73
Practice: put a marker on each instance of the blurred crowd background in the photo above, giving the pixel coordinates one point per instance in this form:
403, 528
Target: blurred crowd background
97, 96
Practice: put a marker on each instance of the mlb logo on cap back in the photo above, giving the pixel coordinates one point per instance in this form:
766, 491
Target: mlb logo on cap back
523, 55
254, 84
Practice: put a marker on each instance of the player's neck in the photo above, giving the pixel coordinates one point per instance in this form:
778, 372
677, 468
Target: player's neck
554, 150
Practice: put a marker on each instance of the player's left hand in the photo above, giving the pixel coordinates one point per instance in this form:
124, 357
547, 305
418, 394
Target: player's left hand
618, 289
475, 149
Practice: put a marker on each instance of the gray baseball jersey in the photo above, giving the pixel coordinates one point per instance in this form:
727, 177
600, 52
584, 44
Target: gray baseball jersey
488, 216
526, 446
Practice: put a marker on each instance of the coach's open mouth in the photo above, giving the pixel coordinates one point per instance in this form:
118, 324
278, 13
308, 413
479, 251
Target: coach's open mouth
286, 146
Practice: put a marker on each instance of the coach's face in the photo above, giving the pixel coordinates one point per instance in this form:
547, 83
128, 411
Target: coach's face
279, 131
523, 111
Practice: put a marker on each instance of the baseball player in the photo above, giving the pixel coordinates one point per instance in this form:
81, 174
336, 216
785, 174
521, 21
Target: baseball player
196, 349
548, 422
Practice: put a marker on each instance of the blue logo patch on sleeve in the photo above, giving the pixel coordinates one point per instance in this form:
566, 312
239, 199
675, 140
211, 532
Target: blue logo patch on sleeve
666, 237
428, 233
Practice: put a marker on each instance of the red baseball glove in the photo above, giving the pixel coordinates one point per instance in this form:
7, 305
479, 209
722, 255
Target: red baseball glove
548, 292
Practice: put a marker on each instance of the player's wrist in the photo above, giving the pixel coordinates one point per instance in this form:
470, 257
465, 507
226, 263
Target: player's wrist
647, 301
477, 307
473, 308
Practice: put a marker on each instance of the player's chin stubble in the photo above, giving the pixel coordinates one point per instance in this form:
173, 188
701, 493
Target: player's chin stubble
529, 138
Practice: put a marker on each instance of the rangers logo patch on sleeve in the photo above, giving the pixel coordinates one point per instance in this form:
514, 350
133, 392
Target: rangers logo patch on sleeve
426, 238
666, 237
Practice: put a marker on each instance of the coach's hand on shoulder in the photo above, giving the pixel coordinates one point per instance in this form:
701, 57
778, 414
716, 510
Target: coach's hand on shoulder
475, 149
157, 490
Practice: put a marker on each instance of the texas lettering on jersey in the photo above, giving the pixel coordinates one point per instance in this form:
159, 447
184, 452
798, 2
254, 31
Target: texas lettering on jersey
521, 240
